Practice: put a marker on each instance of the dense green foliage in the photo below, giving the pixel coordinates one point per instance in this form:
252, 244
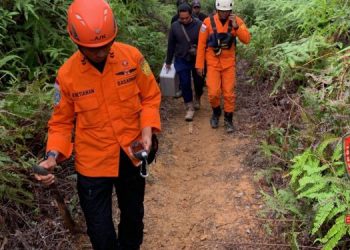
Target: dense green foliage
34, 43
303, 47
32, 47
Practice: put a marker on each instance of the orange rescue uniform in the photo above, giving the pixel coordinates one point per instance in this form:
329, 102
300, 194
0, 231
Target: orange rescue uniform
221, 70
110, 109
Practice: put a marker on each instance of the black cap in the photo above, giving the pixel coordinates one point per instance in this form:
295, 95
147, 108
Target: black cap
196, 3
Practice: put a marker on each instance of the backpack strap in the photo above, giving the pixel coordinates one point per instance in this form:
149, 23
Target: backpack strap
213, 24
229, 30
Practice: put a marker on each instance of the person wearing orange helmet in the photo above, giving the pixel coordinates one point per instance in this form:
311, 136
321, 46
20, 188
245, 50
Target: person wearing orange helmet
107, 93
217, 48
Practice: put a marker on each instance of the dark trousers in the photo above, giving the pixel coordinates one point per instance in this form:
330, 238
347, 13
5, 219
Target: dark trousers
95, 196
184, 69
198, 83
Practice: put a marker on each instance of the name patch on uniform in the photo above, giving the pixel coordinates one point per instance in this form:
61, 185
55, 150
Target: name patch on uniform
203, 27
127, 80
126, 72
83, 93
57, 94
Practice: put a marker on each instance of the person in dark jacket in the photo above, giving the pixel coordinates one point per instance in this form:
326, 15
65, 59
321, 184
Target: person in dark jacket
176, 16
196, 10
178, 93
180, 48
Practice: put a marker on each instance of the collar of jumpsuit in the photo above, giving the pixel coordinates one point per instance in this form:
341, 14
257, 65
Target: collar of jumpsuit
90, 58
108, 106
96, 55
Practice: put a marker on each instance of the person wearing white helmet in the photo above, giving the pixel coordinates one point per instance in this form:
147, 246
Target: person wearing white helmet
224, 5
217, 49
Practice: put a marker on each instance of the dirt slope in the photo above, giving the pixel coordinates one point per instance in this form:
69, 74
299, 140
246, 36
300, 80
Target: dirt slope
201, 193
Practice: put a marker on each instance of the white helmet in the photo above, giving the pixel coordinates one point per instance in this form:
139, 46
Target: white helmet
224, 4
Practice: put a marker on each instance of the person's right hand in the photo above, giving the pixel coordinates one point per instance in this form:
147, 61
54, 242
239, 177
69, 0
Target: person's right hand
232, 17
200, 72
167, 68
48, 164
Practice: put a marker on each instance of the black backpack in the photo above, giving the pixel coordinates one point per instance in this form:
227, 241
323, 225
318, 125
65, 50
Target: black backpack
222, 40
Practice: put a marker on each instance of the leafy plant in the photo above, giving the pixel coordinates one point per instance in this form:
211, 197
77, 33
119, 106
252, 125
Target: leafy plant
12, 183
320, 179
34, 43
303, 47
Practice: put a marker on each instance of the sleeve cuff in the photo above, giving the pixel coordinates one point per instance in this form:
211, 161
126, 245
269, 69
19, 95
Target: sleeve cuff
61, 144
150, 118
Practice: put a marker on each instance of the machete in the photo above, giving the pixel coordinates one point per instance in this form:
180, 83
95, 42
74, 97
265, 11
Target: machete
62, 207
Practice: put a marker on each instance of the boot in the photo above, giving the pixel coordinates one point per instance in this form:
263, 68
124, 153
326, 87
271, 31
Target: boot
189, 112
214, 120
197, 103
228, 122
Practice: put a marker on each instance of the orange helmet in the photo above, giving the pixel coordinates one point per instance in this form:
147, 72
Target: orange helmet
91, 23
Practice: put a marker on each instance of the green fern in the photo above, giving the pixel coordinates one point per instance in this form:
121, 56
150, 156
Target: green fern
335, 234
298, 166
310, 181
340, 207
294, 238
304, 45
315, 192
282, 202
326, 142
322, 213
11, 187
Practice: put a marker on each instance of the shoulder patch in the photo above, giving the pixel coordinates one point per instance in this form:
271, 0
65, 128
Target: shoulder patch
57, 94
146, 69
203, 27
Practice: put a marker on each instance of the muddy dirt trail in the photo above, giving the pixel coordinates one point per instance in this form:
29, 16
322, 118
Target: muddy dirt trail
201, 193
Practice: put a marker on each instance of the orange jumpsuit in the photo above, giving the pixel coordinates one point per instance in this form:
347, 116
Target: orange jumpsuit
109, 109
221, 69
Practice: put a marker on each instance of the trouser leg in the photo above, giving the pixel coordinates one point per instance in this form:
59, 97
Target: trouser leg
214, 86
228, 89
198, 83
130, 189
185, 82
96, 203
